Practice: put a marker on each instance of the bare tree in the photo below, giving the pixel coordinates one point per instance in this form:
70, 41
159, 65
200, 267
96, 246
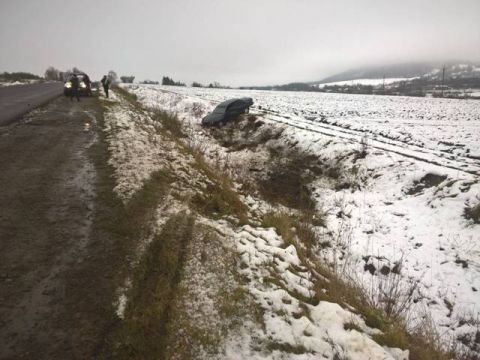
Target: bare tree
112, 75
127, 79
52, 74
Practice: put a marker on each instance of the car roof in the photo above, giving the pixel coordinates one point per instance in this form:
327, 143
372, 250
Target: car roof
231, 101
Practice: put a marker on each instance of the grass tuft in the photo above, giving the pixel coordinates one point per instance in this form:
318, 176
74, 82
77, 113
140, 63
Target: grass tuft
220, 198
352, 325
170, 122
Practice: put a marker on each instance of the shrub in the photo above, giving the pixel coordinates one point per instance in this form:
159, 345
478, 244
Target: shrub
473, 213
288, 180
127, 79
18, 76
53, 74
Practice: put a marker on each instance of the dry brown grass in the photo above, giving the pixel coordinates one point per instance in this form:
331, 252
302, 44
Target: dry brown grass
246, 132
130, 97
473, 213
283, 223
220, 198
170, 123
288, 180
384, 310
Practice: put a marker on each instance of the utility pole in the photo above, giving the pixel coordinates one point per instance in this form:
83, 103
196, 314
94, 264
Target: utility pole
443, 78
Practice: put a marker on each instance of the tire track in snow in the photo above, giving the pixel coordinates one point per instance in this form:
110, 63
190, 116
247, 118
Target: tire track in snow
380, 144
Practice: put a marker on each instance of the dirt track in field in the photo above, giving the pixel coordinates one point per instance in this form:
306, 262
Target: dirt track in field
61, 258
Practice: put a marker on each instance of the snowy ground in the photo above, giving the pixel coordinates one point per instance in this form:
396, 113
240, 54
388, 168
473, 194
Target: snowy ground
421, 170
444, 131
226, 257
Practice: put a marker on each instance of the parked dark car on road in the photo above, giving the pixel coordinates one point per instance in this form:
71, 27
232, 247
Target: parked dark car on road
84, 87
227, 111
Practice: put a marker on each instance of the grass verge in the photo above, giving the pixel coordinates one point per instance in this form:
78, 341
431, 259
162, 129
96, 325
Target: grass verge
143, 331
119, 228
219, 199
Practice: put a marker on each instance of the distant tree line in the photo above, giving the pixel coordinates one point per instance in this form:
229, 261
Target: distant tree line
54, 74
127, 79
169, 81
214, 85
18, 76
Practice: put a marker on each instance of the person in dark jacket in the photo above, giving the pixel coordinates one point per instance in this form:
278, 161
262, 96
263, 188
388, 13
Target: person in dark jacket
75, 85
106, 84
88, 84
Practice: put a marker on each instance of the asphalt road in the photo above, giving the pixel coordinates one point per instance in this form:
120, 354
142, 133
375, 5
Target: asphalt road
61, 254
17, 100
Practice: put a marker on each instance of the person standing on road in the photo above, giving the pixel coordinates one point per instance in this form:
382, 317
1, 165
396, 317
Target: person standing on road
88, 84
75, 85
106, 84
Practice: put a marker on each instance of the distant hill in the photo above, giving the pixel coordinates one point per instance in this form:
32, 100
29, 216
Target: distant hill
453, 69
409, 79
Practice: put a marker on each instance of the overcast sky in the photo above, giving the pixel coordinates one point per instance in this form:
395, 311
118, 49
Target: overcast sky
243, 42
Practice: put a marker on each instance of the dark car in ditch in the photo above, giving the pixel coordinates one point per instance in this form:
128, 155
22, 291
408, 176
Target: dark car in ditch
84, 85
227, 111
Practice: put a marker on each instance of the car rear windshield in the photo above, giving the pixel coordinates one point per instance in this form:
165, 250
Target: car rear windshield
79, 76
220, 109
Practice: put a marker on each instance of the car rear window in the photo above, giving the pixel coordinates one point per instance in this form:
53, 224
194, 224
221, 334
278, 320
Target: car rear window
220, 109
239, 105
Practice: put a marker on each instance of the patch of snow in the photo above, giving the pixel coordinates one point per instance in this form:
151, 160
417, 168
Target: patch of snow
322, 332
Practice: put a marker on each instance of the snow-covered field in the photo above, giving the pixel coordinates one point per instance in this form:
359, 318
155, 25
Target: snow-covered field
372, 82
443, 131
139, 147
421, 171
